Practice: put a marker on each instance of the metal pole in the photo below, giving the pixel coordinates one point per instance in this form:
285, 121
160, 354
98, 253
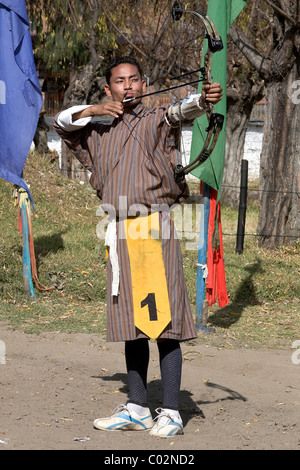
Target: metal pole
201, 303
242, 208
27, 277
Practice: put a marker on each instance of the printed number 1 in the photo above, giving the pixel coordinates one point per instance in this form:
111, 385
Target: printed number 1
150, 301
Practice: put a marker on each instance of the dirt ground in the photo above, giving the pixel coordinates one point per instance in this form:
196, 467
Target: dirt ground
54, 385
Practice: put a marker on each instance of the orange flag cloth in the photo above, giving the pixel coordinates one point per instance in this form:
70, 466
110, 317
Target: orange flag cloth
216, 280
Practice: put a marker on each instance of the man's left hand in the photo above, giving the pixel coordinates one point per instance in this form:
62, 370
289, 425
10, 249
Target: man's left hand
213, 93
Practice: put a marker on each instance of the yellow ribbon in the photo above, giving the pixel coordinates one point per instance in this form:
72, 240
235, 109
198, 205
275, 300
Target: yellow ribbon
149, 284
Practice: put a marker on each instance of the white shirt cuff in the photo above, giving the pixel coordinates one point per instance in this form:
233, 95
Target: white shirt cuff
64, 119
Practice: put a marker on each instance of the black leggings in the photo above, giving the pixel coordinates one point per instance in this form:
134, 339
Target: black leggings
137, 360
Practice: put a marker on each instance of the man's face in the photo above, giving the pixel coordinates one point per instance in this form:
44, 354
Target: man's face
125, 82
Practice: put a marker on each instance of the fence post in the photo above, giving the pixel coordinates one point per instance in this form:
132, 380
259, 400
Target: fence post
242, 208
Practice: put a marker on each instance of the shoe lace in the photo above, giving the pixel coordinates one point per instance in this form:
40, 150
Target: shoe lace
120, 408
162, 417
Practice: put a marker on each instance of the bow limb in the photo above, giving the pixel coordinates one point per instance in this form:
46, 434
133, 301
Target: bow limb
213, 132
215, 120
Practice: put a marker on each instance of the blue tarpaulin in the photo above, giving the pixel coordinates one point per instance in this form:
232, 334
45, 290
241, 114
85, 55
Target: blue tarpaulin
20, 94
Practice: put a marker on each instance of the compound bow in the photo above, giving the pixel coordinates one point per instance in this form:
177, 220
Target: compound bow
215, 120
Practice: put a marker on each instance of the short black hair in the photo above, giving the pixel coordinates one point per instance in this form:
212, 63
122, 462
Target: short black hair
119, 61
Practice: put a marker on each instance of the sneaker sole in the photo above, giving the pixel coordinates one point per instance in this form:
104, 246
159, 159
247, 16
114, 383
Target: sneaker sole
177, 432
126, 427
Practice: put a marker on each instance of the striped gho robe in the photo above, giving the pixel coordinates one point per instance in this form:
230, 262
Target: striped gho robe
133, 160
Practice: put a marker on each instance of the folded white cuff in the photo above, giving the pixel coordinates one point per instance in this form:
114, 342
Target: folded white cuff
111, 242
64, 119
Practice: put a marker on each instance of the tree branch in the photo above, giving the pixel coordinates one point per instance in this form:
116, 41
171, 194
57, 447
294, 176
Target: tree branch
260, 63
121, 33
281, 12
75, 20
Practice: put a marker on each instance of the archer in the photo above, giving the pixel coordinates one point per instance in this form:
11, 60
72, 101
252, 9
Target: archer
135, 157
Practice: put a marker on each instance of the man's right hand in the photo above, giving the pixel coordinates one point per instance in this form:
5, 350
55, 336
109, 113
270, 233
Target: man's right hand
110, 108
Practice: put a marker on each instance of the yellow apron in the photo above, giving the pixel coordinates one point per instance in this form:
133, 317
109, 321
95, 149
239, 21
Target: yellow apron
149, 285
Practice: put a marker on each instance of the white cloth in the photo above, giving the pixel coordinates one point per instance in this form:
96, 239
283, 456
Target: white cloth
204, 269
111, 242
64, 119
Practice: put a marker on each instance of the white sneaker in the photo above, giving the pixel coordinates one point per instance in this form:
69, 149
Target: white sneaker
125, 419
168, 425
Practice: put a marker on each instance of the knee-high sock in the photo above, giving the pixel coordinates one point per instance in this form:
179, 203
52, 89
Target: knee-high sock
137, 360
170, 366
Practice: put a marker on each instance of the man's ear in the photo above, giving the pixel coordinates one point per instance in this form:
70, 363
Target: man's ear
144, 86
107, 90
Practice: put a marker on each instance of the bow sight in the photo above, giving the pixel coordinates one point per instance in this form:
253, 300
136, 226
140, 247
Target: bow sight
215, 42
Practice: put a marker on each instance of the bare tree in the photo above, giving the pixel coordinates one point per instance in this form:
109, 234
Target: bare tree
278, 65
164, 47
240, 102
244, 90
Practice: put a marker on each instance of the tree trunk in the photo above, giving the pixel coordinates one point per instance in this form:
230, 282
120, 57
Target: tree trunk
279, 168
236, 128
85, 84
40, 138
279, 165
241, 97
